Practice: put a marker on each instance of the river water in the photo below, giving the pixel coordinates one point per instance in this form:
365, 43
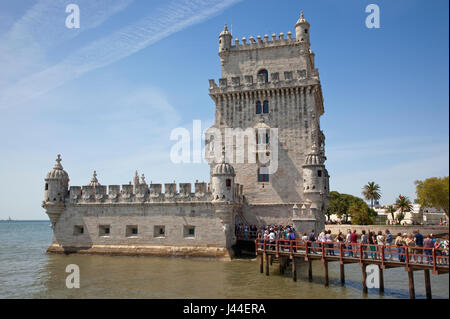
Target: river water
26, 271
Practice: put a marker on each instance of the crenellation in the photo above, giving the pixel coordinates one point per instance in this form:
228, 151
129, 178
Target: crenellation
100, 193
114, 193
260, 43
223, 83
75, 193
170, 190
141, 192
88, 193
185, 189
290, 78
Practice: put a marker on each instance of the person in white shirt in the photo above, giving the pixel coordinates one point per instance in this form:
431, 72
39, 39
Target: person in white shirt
347, 241
272, 237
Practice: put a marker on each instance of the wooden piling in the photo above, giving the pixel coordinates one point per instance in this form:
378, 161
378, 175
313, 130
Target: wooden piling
261, 263
412, 294
282, 262
342, 274
310, 270
267, 263
325, 268
426, 273
364, 278
381, 279
271, 259
294, 270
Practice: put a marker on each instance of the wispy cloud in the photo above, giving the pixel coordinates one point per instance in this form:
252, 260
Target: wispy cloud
25, 47
165, 21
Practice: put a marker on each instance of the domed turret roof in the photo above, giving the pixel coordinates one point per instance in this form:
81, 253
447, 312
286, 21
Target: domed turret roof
314, 157
225, 31
302, 19
58, 172
223, 168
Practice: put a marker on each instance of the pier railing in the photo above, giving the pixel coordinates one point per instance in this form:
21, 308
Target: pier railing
407, 255
412, 259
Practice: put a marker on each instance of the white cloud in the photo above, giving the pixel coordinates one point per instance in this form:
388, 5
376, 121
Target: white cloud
169, 19
26, 46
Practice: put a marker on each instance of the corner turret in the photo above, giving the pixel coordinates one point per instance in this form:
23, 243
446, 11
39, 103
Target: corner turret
222, 181
316, 184
225, 39
302, 29
56, 190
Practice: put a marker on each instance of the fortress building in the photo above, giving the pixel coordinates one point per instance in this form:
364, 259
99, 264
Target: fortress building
266, 153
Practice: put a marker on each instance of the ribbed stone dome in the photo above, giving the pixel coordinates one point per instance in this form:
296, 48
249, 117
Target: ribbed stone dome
314, 157
223, 169
58, 172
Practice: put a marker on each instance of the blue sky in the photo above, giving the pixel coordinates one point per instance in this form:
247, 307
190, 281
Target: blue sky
106, 96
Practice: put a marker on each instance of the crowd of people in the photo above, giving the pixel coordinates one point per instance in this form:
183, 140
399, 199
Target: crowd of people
419, 248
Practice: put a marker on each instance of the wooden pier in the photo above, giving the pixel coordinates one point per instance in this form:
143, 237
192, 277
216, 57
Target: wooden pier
412, 259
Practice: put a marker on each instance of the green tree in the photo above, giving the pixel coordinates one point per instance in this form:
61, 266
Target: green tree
360, 214
371, 192
433, 192
345, 205
338, 205
403, 203
391, 210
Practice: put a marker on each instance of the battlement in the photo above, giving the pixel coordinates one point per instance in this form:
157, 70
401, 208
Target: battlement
261, 43
143, 193
277, 80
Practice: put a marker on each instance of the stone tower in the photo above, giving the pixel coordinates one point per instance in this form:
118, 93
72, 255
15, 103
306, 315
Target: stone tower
56, 190
274, 86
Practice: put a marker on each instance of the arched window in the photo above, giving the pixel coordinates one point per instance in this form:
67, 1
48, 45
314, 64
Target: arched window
258, 107
265, 74
46, 186
266, 107
228, 182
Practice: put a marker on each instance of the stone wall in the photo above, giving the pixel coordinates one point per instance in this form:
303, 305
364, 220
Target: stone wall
120, 218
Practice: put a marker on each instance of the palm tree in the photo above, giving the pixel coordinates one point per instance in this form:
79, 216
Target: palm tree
403, 204
371, 192
391, 210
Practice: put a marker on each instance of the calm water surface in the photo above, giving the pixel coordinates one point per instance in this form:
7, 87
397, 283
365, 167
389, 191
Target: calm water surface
26, 271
